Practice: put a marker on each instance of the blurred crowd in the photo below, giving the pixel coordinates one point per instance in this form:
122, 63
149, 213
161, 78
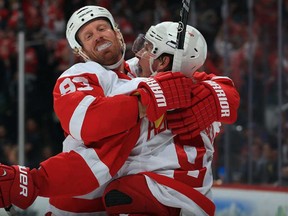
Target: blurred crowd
243, 48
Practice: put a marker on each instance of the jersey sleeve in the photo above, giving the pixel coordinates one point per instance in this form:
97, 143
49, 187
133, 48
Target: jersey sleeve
87, 113
84, 169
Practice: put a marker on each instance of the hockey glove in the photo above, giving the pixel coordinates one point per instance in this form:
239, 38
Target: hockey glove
165, 91
16, 187
210, 103
202, 76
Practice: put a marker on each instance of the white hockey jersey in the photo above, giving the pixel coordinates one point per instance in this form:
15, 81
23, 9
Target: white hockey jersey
90, 160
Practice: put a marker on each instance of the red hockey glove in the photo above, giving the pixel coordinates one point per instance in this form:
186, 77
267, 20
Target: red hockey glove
165, 91
210, 103
202, 76
16, 187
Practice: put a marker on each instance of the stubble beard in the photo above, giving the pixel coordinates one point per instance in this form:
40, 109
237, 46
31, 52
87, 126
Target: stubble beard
106, 57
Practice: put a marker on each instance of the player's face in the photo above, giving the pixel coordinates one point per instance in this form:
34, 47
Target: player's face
145, 57
100, 42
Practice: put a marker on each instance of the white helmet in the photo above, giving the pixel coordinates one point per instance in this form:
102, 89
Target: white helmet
163, 37
83, 16
80, 18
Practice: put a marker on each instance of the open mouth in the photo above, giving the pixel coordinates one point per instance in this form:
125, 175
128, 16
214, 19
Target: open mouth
103, 46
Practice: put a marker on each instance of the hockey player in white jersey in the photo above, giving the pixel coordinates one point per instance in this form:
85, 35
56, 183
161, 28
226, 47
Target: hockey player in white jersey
93, 163
181, 166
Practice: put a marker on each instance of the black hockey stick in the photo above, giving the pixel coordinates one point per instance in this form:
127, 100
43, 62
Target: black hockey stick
184, 14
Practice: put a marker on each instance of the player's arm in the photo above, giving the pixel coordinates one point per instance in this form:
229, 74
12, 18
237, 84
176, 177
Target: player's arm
214, 99
20, 186
87, 114
72, 173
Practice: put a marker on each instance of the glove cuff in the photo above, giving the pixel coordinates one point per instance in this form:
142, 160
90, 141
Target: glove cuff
23, 191
143, 95
221, 100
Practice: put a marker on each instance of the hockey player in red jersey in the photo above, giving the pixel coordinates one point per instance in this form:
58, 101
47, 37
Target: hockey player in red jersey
95, 148
178, 175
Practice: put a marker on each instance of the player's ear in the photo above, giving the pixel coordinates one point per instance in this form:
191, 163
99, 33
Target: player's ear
165, 63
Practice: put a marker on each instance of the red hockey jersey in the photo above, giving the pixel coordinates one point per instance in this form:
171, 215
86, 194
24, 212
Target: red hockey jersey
107, 141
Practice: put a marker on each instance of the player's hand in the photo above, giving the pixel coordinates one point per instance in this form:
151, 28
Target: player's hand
16, 187
210, 103
165, 91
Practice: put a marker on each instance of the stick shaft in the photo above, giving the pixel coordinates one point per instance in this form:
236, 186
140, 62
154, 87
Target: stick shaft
184, 14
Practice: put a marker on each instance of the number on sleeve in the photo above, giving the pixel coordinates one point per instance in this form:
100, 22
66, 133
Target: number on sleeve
69, 86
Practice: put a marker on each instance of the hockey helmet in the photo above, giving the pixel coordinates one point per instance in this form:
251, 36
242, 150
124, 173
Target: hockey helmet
80, 18
163, 37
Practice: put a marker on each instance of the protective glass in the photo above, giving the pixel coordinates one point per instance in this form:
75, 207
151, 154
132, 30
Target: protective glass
138, 43
142, 48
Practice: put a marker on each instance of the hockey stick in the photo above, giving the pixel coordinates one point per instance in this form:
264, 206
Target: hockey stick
184, 13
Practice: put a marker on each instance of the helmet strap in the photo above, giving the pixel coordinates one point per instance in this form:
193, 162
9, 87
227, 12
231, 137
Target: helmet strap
83, 55
110, 67
123, 45
116, 65
151, 61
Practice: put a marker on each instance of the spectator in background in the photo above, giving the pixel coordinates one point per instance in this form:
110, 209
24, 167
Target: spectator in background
8, 149
4, 14
255, 156
268, 164
54, 21
33, 143
34, 23
264, 169
4, 143
31, 69
47, 152
62, 57
12, 21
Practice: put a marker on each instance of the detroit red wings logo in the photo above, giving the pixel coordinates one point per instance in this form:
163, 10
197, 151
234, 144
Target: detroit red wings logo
153, 131
190, 34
